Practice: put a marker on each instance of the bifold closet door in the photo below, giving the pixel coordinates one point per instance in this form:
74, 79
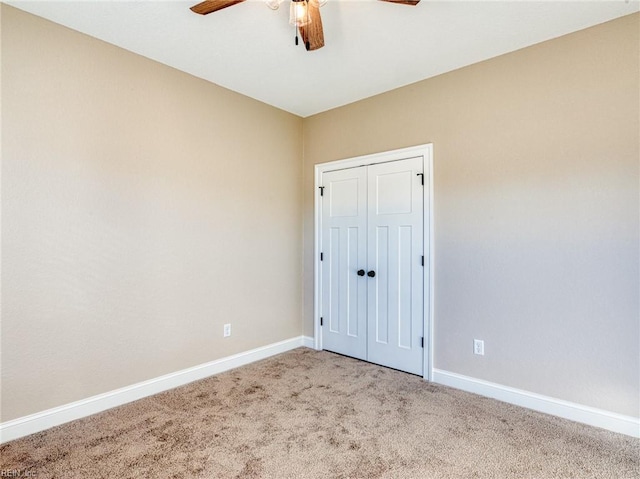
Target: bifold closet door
394, 252
372, 279
344, 250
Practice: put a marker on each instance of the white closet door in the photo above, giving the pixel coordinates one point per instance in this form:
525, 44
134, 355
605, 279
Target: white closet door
395, 249
372, 273
344, 246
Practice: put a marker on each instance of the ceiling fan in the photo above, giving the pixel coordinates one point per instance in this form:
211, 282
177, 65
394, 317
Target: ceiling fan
304, 14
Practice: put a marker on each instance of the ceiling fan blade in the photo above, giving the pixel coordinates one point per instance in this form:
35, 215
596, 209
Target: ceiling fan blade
403, 2
210, 6
312, 33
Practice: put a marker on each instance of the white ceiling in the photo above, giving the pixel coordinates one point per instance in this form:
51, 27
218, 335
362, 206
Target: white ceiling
371, 46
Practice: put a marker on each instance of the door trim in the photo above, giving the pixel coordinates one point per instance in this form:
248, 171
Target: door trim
426, 152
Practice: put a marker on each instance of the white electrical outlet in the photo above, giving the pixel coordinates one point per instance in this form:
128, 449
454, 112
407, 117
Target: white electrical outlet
478, 347
227, 330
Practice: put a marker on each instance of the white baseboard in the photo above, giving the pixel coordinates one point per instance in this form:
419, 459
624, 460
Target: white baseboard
40, 421
576, 412
308, 342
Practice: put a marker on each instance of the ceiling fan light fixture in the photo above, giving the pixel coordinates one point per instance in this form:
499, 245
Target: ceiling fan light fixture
299, 13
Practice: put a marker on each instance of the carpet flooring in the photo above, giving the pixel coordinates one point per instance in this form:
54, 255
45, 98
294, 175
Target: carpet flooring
310, 414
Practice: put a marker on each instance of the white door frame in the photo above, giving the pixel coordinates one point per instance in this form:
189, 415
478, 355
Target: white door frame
426, 152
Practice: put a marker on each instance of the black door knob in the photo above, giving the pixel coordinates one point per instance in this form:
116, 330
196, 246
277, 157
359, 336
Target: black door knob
371, 274
360, 272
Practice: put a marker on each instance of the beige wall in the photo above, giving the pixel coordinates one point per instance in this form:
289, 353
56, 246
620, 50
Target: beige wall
536, 210
142, 209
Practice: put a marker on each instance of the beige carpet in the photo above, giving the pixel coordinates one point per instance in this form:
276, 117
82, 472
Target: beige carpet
308, 414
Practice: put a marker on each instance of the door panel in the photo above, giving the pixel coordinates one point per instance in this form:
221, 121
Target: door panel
344, 244
379, 317
395, 294
393, 193
405, 290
